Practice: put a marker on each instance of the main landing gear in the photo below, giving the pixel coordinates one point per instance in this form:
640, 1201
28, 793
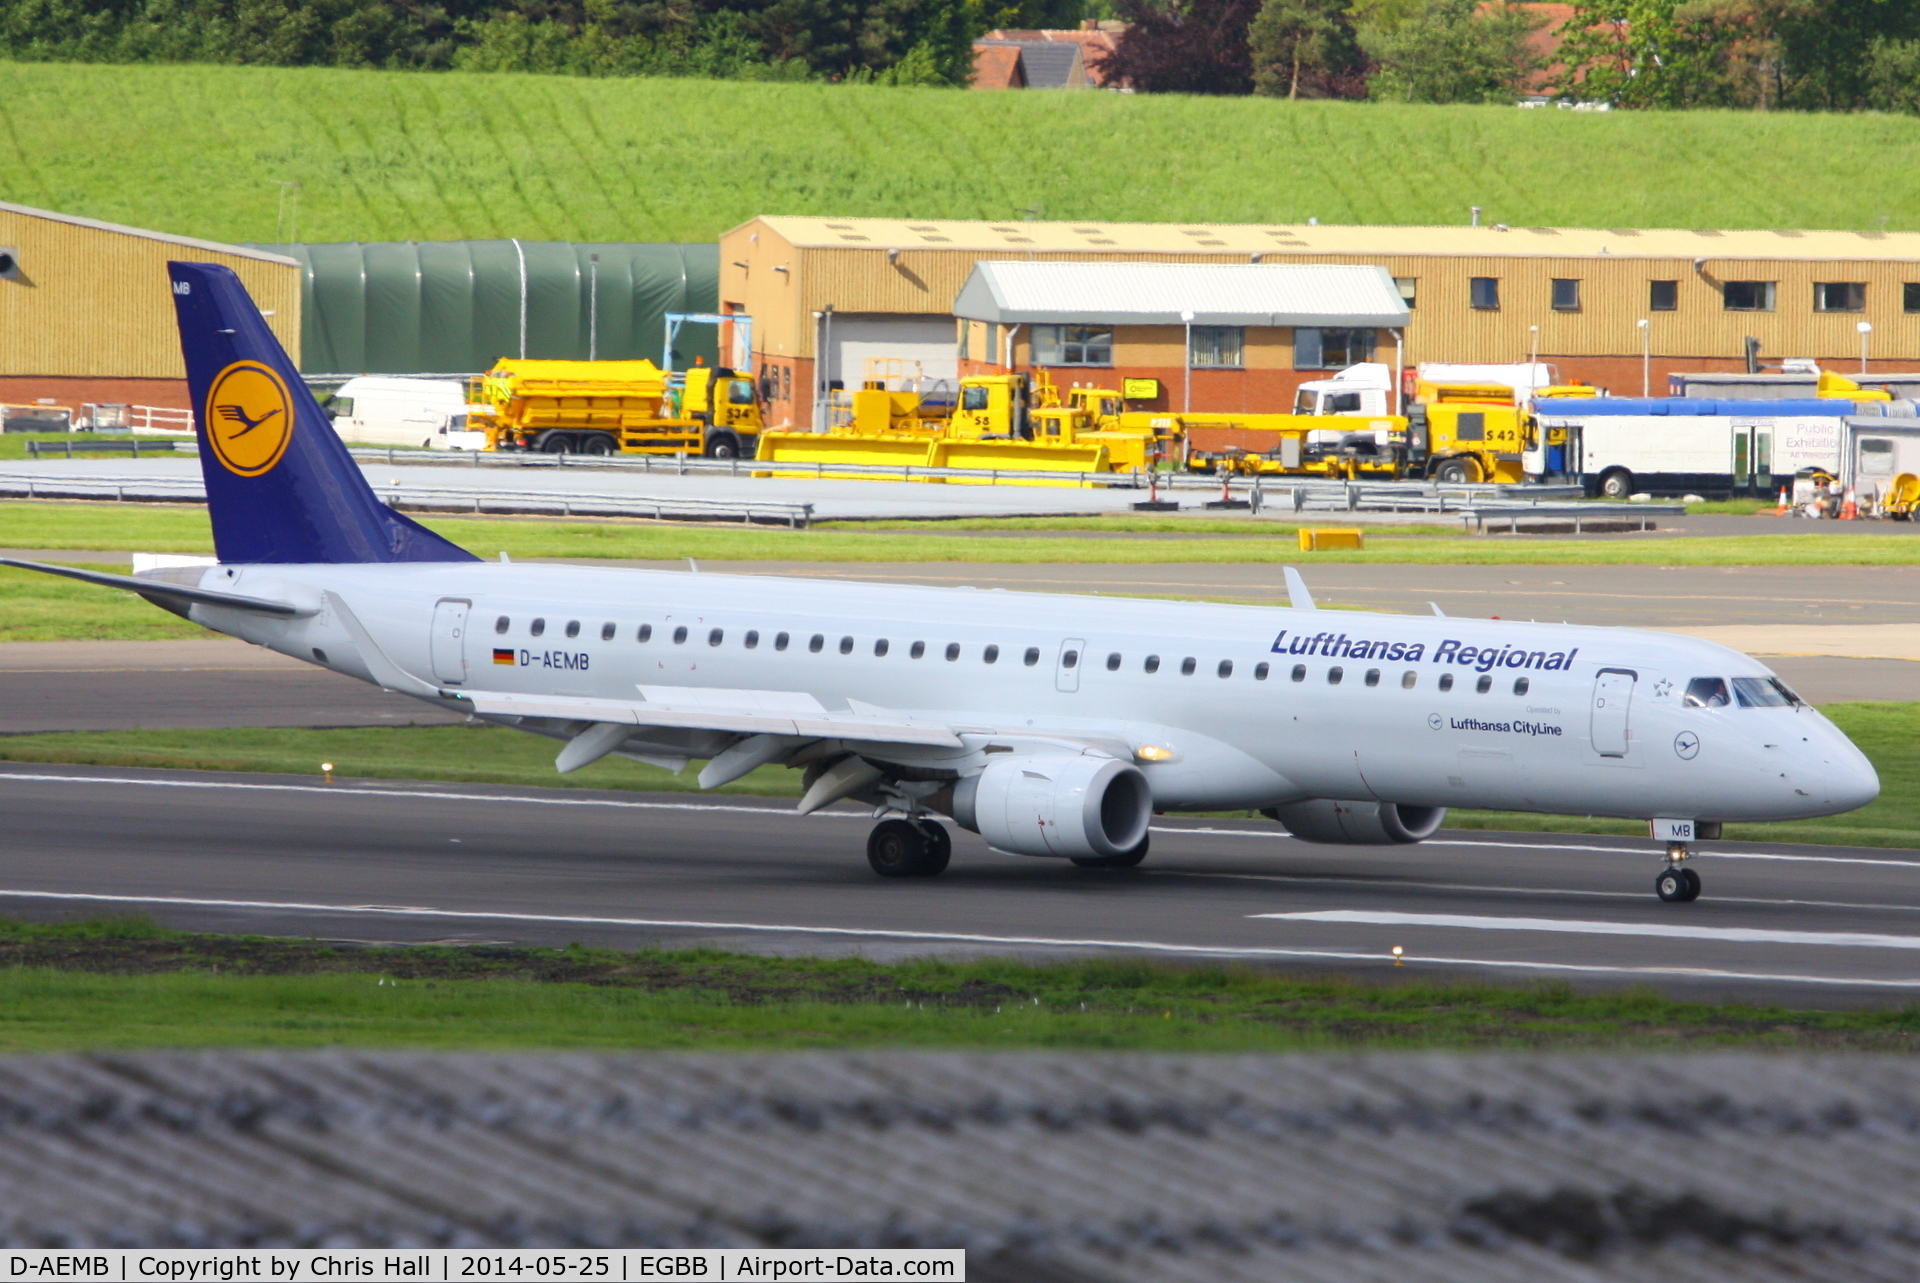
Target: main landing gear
917, 848
1677, 884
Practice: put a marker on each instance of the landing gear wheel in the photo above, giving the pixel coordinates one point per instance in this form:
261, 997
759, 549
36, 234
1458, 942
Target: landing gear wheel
1124, 860
899, 849
1677, 885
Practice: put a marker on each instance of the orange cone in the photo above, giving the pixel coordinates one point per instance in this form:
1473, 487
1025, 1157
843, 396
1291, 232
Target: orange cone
1786, 505
1849, 510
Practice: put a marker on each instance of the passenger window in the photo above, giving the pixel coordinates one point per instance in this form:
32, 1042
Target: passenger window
1069, 658
1226, 668
990, 655
645, 634
1485, 683
715, 637
1260, 672
1706, 692
1446, 681
846, 645
573, 628
607, 631
1187, 666
1299, 672
1373, 677
1409, 679
1113, 662
1153, 664
1521, 685
537, 627
752, 639
816, 642
1762, 692
1334, 675
679, 635
880, 648
1032, 656
779, 641
501, 624
953, 651
916, 650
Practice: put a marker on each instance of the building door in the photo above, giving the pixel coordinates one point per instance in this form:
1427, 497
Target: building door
1066, 673
1612, 701
449, 640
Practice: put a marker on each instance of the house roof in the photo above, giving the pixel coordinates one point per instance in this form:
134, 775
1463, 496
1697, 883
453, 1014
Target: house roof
1046, 64
185, 242
1257, 294
997, 67
1281, 240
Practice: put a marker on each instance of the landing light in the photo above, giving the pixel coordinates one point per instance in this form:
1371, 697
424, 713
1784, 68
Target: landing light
1153, 753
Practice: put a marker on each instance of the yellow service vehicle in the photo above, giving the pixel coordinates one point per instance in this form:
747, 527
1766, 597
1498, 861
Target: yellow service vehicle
617, 407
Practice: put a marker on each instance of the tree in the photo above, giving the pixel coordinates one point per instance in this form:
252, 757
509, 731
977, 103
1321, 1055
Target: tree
1182, 46
1642, 53
1453, 51
1304, 48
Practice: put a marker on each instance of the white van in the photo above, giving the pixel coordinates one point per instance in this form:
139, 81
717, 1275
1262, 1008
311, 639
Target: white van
427, 413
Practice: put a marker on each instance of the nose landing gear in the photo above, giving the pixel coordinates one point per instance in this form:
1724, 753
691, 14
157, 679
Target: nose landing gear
1677, 884
917, 848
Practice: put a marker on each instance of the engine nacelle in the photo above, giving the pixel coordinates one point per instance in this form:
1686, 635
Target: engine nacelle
1341, 823
1033, 804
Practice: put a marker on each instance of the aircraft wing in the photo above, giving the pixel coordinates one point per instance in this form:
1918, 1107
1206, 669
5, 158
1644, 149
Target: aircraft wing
739, 712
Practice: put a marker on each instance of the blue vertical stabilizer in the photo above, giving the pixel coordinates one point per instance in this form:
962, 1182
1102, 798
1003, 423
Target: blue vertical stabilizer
281, 486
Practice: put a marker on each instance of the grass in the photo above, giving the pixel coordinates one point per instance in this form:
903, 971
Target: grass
37, 607
1888, 733
195, 150
126, 984
167, 528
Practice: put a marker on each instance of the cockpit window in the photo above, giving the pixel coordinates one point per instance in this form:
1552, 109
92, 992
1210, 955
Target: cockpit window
1707, 692
1763, 692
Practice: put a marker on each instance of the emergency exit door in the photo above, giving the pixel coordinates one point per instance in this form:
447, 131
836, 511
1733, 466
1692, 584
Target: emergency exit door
1066, 672
449, 640
1612, 704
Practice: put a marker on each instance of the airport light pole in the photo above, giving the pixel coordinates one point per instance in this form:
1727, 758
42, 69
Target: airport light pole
521, 252
1186, 391
1866, 331
1646, 357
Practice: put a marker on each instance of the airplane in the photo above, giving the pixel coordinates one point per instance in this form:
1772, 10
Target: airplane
1051, 725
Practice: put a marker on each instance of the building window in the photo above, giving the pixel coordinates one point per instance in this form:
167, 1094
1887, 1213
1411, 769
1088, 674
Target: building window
1072, 345
1483, 292
1316, 348
1215, 347
1839, 296
1747, 296
1910, 296
1663, 296
1566, 295
1409, 287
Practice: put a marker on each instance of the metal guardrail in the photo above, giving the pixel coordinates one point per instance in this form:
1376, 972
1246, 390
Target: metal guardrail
116, 445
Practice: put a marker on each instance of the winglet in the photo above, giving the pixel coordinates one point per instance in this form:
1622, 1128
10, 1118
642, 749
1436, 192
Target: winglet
1297, 595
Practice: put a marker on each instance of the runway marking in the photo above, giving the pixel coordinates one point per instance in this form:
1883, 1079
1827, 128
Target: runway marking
954, 937
1728, 935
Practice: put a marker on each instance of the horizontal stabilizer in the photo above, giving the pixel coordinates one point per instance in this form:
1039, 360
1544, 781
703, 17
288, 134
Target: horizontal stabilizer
161, 588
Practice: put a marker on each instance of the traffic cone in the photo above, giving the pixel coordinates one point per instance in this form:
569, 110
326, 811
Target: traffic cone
1786, 505
1849, 510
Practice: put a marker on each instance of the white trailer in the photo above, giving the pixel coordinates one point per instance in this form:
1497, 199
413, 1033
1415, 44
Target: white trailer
1617, 455
426, 413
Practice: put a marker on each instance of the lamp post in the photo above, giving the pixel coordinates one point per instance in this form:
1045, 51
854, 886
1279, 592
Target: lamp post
1186, 394
1646, 357
1533, 355
593, 307
520, 253
1866, 330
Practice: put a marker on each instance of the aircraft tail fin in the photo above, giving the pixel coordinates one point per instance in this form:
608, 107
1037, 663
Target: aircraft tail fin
281, 487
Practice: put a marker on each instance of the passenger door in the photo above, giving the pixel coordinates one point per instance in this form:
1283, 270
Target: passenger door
449, 640
1066, 672
1612, 703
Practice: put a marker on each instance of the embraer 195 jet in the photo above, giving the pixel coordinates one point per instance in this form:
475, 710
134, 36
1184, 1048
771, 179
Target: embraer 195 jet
1050, 725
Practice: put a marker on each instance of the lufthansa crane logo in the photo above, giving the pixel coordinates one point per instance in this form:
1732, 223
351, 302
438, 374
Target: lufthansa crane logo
249, 418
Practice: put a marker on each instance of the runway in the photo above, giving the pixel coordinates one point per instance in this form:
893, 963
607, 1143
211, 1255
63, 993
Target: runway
371, 861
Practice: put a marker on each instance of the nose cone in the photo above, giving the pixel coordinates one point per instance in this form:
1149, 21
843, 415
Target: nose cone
1841, 778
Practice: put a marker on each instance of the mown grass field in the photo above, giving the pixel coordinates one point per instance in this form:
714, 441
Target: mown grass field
198, 150
1888, 733
126, 984
40, 607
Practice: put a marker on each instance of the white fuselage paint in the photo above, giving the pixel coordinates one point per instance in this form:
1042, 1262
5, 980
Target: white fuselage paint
1236, 741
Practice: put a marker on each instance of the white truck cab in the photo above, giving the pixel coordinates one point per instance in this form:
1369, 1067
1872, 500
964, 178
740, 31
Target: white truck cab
1359, 389
428, 414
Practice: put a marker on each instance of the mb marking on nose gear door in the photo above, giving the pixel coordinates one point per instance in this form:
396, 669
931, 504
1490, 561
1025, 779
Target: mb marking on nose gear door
449, 646
1612, 701
1066, 674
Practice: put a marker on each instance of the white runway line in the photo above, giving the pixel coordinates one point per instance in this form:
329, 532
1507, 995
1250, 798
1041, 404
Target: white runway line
1728, 935
956, 937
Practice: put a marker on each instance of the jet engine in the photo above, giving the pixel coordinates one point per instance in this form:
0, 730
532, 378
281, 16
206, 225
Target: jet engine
1341, 823
1034, 804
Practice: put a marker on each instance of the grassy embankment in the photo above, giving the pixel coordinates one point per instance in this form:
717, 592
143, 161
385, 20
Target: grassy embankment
124, 984
410, 156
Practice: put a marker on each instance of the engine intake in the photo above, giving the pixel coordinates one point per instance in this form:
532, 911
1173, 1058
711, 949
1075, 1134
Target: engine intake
1339, 823
1056, 805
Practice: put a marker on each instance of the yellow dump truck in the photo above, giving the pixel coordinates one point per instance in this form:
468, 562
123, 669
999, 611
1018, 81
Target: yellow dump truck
617, 407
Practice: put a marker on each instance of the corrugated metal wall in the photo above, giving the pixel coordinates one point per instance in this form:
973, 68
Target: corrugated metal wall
455, 306
92, 301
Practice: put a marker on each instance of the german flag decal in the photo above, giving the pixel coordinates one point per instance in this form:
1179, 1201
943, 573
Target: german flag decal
502, 656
